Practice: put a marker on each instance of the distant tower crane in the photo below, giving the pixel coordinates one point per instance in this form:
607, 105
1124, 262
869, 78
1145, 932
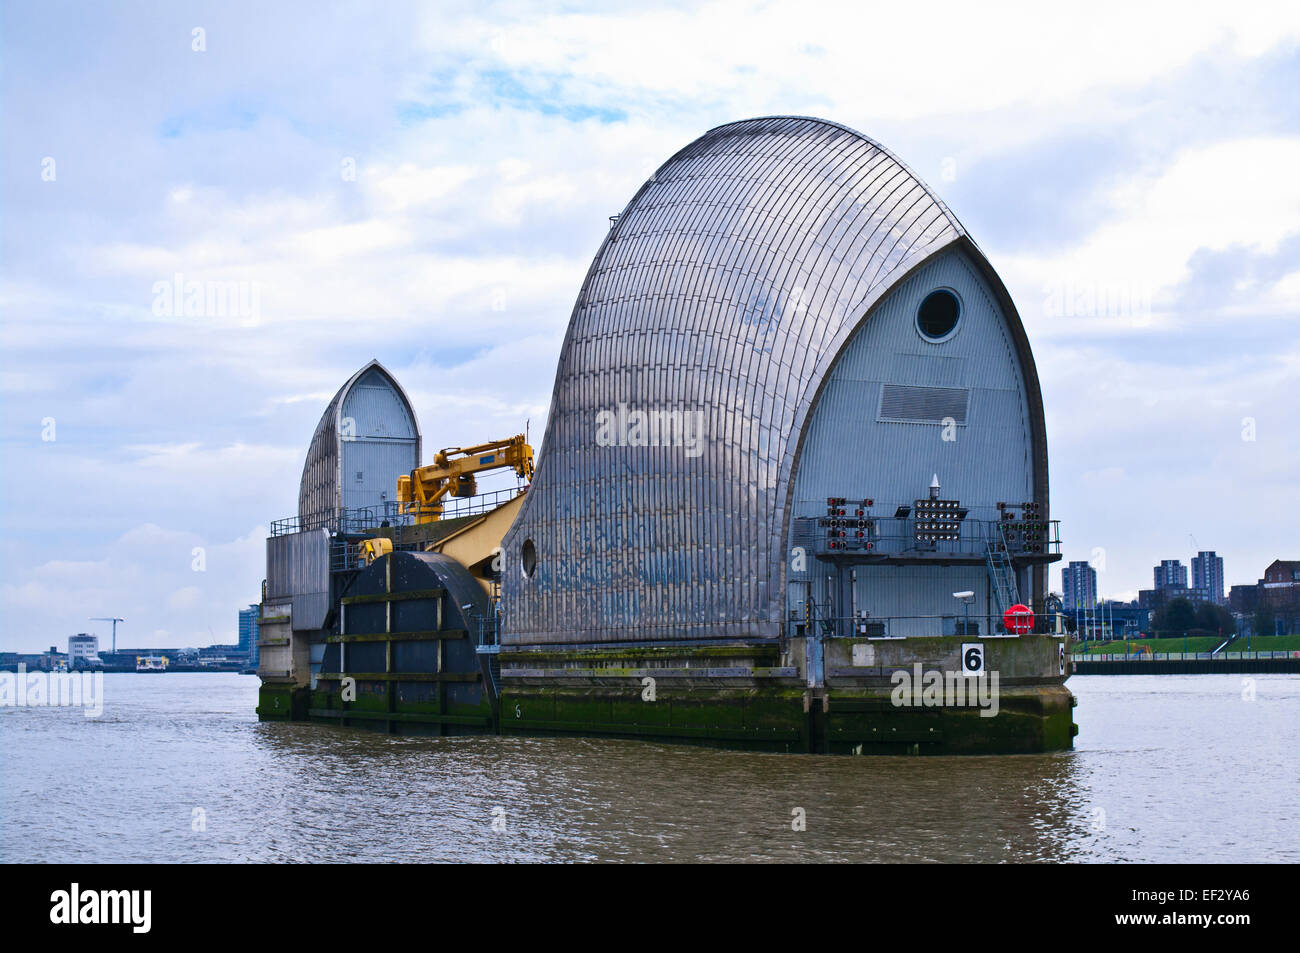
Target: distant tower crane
112, 619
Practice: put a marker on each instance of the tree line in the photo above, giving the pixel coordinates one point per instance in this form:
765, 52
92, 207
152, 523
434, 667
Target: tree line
1181, 616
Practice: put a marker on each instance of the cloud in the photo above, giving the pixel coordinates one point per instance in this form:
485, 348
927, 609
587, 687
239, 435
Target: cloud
885, 59
148, 577
1123, 276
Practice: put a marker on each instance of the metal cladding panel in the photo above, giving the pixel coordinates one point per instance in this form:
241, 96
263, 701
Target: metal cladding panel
904, 593
319, 490
377, 409
852, 448
723, 296
297, 567
370, 469
310, 610
371, 408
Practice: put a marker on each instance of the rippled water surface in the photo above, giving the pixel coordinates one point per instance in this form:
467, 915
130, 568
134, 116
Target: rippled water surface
1167, 768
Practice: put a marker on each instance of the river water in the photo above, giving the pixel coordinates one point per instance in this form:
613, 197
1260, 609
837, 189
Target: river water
1167, 768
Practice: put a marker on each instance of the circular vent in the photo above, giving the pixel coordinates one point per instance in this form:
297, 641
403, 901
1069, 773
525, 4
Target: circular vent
936, 319
528, 557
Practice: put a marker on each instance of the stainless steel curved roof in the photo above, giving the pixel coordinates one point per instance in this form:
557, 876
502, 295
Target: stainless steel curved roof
320, 492
728, 286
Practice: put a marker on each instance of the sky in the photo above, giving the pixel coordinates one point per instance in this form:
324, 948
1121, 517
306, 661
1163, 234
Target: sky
426, 184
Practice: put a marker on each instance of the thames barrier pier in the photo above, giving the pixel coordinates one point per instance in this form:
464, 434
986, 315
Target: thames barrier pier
792, 493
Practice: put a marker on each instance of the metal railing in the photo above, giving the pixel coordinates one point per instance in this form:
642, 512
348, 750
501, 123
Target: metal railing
486, 628
1175, 656
350, 521
453, 507
345, 555
895, 536
916, 626
359, 521
303, 524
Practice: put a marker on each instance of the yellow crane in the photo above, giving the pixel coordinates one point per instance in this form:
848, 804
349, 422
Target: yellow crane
452, 473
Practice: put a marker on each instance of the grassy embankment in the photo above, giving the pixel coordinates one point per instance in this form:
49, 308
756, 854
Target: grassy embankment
1265, 643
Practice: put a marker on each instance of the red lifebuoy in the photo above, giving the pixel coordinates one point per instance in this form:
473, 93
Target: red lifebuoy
1019, 619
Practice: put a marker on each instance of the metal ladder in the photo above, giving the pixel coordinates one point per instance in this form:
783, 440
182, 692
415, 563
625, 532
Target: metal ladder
489, 653
489, 660
1002, 572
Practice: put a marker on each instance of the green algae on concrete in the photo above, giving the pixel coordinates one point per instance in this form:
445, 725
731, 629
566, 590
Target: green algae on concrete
736, 696
281, 702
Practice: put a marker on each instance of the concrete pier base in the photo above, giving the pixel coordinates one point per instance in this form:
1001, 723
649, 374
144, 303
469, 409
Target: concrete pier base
890, 697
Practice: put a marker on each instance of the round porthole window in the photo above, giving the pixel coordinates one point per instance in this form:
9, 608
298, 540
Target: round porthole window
528, 557
936, 319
